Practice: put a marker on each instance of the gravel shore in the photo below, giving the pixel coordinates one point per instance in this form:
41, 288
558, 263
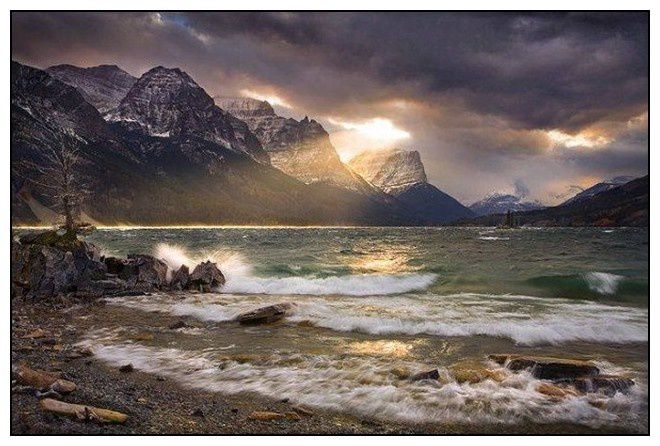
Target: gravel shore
43, 336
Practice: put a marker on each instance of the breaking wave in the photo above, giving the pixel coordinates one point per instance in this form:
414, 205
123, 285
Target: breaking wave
603, 283
526, 320
241, 279
592, 285
371, 386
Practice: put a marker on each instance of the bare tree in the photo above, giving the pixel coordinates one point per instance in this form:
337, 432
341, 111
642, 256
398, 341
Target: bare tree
59, 176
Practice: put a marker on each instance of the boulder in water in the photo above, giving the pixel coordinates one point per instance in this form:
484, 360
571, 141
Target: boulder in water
431, 374
138, 271
264, 315
608, 384
546, 367
205, 277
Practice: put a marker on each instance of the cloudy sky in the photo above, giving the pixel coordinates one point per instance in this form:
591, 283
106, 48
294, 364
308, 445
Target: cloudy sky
533, 103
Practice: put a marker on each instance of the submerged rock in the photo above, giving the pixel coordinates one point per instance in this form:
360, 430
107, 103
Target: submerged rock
555, 392
264, 315
474, 372
608, 384
546, 367
205, 277
176, 325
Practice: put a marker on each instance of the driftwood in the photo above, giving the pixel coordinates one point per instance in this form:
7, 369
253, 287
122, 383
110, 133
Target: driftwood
82, 412
41, 380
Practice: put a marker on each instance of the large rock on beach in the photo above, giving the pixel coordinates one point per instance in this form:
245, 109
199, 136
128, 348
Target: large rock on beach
205, 277
264, 315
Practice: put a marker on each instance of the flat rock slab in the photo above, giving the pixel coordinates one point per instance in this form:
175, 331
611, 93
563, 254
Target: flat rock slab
264, 315
543, 367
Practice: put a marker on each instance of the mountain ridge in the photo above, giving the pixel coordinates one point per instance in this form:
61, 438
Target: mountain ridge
401, 174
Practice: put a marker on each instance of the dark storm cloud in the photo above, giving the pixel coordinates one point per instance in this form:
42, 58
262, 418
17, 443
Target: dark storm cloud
482, 89
541, 70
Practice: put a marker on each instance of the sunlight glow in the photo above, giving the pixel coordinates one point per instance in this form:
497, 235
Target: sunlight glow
578, 140
271, 99
377, 128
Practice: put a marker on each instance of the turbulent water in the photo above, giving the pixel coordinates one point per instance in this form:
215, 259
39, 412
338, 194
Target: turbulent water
373, 304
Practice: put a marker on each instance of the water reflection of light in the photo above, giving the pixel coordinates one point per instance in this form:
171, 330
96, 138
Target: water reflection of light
382, 260
395, 349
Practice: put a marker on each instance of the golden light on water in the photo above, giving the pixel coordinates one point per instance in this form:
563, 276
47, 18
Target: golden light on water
381, 259
397, 349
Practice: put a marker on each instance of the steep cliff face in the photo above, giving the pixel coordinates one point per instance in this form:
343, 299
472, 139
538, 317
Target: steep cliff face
390, 170
401, 173
301, 149
103, 86
168, 103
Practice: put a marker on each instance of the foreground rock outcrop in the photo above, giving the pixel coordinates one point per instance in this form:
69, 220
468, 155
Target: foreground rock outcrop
48, 263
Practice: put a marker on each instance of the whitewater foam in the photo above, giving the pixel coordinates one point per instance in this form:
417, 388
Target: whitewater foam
241, 280
526, 320
369, 386
603, 283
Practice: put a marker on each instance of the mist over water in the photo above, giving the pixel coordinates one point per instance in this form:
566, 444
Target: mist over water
367, 300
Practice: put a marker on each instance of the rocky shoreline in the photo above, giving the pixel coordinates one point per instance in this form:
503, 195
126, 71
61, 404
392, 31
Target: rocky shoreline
60, 387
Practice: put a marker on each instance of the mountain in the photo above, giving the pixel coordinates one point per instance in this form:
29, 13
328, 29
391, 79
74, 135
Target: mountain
624, 205
301, 149
167, 155
103, 86
498, 203
166, 102
598, 188
401, 173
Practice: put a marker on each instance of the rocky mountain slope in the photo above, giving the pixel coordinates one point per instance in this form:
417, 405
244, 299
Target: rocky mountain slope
103, 86
167, 155
624, 205
301, 149
168, 103
498, 203
401, 174
598, 188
